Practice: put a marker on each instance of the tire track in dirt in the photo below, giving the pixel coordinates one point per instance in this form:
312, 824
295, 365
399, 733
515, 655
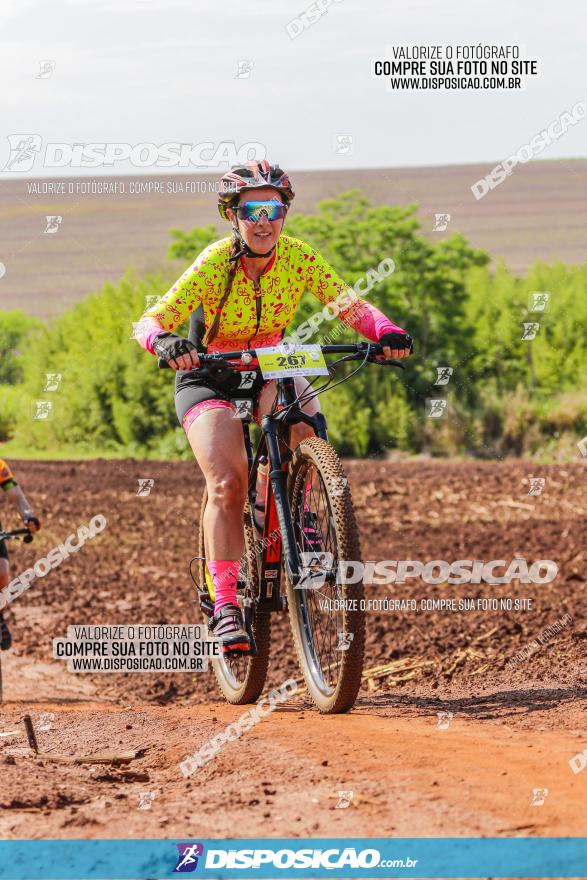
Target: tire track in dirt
512, 730
286, 777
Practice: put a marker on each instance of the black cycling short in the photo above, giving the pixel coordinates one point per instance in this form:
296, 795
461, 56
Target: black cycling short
190, 390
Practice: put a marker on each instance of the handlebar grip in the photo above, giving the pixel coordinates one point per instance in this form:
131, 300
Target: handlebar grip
391, 362
162, 364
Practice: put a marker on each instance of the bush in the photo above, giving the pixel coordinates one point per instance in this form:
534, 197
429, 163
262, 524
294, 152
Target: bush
10, 405
507, 394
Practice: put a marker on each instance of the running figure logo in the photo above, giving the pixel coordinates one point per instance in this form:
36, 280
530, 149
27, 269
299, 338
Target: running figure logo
441, 222
443, 375
244, 68
315, 568
188, 855
145, 486
343, 144
23, 151
43, 409
246, 379
52, 383
531, 329
243, 409
46, 721
537, 484
146, 799
344, 640
444, 719
46, 68
53, 223
338, 486
538, 797
539, 301
436, 408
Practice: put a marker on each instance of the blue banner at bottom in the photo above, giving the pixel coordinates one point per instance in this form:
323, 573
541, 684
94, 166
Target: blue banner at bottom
297, 857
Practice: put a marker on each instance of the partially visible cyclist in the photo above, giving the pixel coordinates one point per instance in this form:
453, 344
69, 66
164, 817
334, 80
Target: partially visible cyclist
242, 292
18, 498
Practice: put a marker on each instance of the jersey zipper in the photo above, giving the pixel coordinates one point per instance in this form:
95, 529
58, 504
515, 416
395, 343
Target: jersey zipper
258, 307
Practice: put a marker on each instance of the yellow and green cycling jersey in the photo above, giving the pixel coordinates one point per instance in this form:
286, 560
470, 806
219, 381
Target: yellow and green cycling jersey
294, 268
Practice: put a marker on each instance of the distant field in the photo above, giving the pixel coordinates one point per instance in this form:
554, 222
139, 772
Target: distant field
540, 212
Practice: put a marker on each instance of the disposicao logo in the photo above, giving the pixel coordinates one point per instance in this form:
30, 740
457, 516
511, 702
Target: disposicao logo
187, 859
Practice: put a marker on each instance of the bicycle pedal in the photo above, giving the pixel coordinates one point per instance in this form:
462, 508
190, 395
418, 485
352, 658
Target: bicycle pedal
248, 619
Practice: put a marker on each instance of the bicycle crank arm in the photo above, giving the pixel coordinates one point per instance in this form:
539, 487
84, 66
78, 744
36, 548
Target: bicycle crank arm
206, 603
248, 615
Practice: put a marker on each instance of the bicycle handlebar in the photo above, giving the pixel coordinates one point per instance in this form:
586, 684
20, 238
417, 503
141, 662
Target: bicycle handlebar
360, 349
15, 533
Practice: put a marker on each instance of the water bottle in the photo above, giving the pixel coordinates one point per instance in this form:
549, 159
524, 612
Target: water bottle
261, 491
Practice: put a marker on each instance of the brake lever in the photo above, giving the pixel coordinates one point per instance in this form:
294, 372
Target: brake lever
209, 369
388, 362
372, 359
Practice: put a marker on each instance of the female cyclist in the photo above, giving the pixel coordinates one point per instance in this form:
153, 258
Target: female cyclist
242, 292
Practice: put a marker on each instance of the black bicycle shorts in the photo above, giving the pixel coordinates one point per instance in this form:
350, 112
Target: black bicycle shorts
190, 390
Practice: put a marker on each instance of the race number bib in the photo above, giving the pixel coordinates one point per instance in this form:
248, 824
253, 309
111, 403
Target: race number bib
281, 361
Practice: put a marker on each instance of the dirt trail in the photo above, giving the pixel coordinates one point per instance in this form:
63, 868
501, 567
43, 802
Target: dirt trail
285, 777
511, 731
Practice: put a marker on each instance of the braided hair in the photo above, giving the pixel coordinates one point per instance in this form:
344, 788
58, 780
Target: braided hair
212, 331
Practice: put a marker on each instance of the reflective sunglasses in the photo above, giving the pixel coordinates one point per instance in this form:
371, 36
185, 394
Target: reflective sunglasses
253, 211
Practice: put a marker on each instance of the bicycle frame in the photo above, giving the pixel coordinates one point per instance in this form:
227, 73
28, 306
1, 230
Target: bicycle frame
278, 535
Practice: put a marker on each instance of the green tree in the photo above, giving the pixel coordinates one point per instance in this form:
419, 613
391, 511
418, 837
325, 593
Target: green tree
111, 396
187, 245
15, 327
426, 294
507, 395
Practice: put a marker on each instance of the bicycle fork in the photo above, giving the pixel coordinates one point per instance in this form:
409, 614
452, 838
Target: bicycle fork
278, 480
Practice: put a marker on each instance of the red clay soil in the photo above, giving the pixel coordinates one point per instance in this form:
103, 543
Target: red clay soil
512, 729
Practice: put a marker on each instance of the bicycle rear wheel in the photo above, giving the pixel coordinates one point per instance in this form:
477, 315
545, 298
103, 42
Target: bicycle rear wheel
241, 679
328, 623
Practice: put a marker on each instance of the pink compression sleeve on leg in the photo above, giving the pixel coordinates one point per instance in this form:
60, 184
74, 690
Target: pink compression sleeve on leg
224, 576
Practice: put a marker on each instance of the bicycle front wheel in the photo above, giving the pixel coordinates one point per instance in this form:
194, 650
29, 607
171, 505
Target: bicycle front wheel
327, 618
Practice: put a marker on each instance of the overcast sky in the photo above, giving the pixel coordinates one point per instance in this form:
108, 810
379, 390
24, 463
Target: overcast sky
135, 71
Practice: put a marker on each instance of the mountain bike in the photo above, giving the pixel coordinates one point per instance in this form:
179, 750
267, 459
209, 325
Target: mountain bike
309, 528
27, 537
